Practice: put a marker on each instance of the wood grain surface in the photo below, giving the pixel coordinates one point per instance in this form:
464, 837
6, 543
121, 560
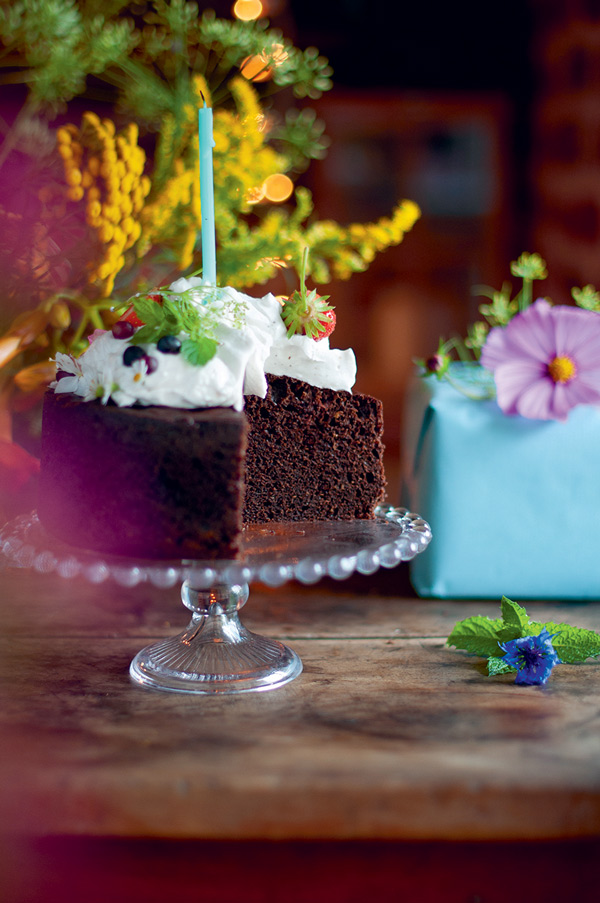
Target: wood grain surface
387, 735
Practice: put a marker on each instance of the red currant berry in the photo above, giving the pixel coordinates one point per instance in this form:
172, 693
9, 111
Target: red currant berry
123, 329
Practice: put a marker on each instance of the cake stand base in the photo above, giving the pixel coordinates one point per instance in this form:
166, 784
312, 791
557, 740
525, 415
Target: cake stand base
216, 654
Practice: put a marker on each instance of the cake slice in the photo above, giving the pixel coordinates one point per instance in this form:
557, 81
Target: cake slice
313, 454
151, 482
163, 439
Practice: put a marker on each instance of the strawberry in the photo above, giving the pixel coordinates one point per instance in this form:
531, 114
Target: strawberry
328, 325
307, 313
130, 315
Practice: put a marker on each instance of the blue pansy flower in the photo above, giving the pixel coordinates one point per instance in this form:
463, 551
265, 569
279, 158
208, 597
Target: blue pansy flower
533, 656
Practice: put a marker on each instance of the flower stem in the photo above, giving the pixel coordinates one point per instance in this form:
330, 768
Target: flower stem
526, 294
474, 396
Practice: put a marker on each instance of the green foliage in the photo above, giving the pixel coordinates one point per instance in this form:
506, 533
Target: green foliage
300, 137
477, 635
586, 297
500, 309
150, 62
176, 314
481, 636
54, 45
573, 644
497, 665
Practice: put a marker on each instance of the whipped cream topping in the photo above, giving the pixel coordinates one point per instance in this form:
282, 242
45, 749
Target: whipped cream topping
252, 341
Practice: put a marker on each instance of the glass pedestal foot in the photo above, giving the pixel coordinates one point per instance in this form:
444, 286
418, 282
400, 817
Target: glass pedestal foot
215, 654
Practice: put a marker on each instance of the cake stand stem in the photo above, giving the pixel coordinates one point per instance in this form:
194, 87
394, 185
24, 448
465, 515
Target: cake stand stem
215, 654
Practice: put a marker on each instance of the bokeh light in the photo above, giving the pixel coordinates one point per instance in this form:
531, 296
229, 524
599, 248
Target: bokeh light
247, 10
278, 187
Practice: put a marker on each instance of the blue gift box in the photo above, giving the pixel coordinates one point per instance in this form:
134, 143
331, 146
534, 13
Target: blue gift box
514, 504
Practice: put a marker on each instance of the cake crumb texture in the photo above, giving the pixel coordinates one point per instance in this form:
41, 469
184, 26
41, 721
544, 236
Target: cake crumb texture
313, 454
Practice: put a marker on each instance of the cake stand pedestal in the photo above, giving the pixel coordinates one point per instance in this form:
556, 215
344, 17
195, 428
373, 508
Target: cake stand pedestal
216, 654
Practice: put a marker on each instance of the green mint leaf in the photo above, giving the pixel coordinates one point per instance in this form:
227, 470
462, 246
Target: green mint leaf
572, 644
146, 335
199, 351
149, 311
478, 635
514, 616
497, 665
511, 632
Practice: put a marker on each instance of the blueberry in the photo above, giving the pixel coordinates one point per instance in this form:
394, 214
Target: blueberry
123, 329
169, 344
132, 354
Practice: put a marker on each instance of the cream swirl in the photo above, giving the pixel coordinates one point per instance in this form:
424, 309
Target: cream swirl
250, 344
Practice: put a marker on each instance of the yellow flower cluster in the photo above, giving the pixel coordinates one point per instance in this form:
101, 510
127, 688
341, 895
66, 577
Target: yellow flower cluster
352, 248
172, 216
105, 170
371, 238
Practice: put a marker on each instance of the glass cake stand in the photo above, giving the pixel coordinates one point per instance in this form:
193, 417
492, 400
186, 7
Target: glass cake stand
216, 654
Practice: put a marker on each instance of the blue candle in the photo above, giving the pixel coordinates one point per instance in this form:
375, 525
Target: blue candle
207, 194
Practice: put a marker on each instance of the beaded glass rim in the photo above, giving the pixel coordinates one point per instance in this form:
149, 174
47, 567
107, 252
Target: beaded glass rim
272, 554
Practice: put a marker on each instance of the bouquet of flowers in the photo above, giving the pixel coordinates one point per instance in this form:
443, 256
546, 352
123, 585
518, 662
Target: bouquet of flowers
99, 169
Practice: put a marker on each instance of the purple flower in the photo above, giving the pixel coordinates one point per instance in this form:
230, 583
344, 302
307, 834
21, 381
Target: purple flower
533, 656
545, 361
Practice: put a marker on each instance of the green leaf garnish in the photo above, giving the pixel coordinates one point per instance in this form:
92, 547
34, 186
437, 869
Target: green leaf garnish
177, 314
149, 311
199, 351
481, 636
515, 621
497, 665
573, 644
478, 635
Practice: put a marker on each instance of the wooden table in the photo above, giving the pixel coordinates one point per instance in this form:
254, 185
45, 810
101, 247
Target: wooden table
391, 755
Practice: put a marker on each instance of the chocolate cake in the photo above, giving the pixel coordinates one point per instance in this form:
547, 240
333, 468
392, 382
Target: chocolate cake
152, 482
313, 454
162, 440
160, 482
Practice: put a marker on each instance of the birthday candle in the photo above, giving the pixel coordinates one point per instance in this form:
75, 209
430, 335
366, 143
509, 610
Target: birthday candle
207, 194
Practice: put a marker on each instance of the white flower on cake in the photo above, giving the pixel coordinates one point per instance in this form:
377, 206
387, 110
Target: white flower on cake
70, 372
229, 343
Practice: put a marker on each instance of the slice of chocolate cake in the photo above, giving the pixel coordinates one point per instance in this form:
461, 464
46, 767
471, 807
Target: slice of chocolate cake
144, 436
151, 482
313, 454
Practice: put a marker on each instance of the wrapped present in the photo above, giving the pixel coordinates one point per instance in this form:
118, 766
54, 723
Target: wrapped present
513, 503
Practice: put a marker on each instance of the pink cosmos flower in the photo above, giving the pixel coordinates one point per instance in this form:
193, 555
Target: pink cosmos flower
545, 361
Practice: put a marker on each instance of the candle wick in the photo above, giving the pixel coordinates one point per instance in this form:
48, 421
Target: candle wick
203, 98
